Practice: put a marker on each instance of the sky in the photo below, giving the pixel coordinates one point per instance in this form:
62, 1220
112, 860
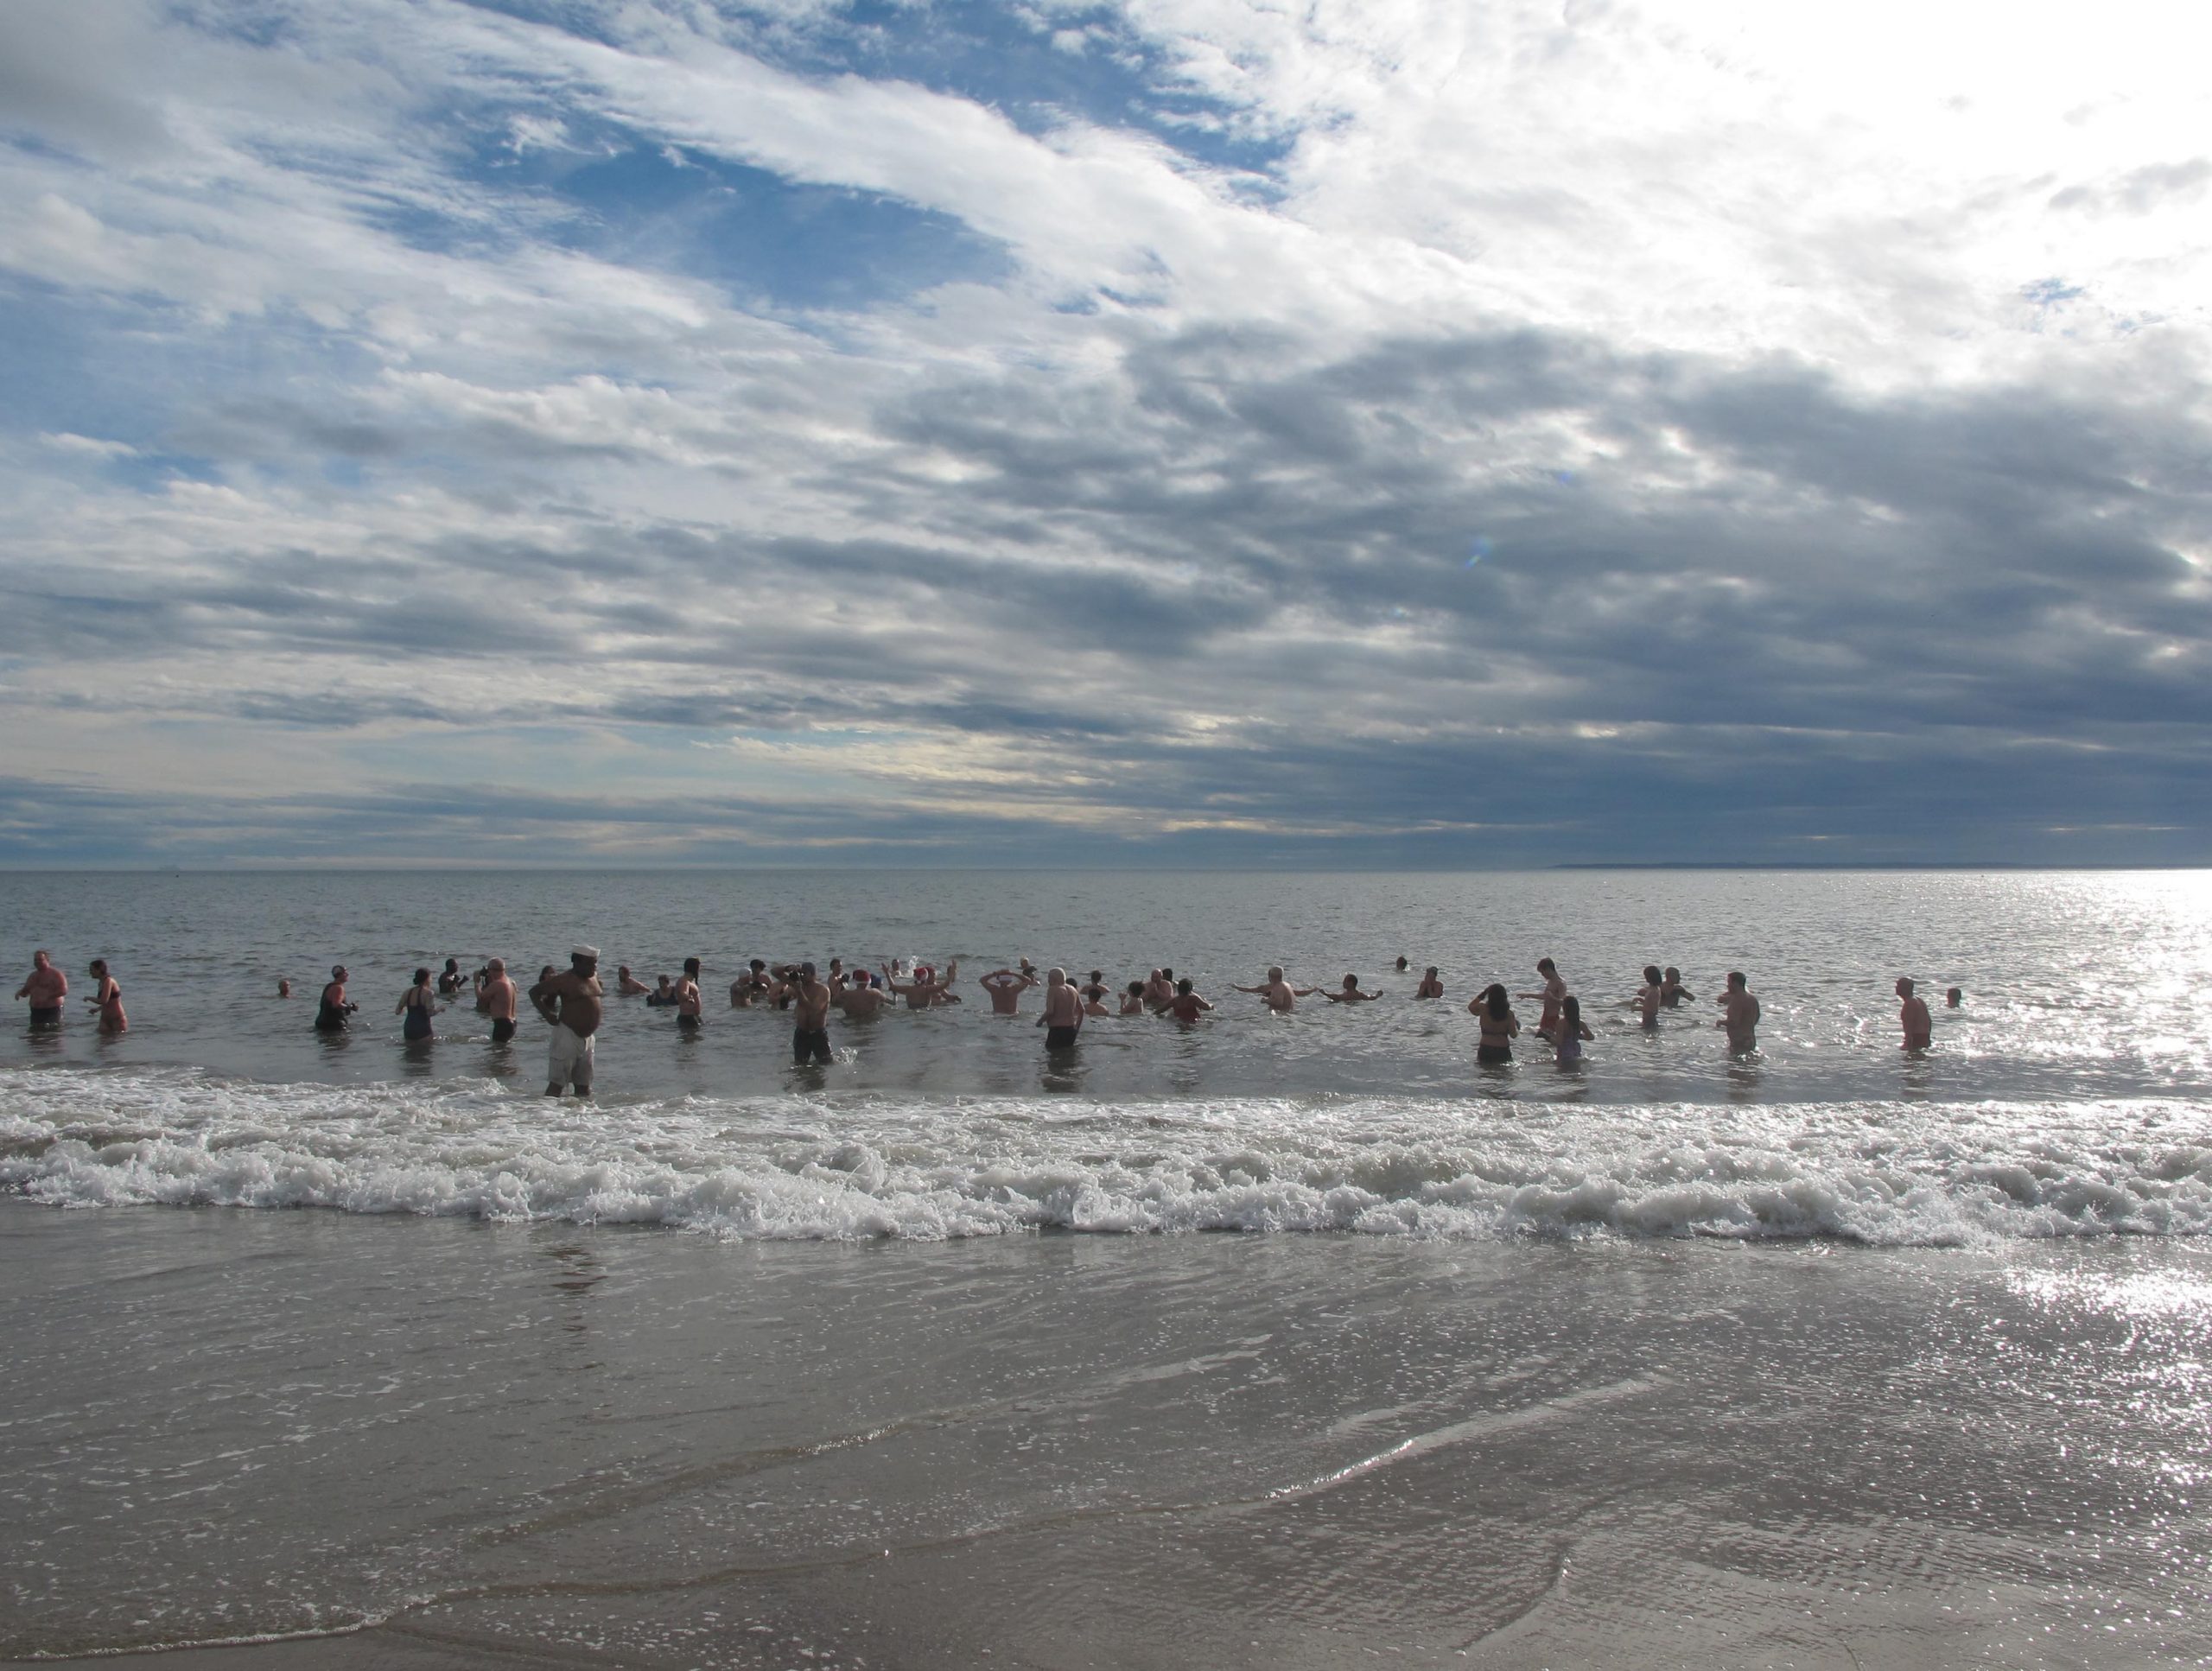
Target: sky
1377, 433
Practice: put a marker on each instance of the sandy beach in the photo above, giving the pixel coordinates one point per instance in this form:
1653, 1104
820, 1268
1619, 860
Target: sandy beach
452, 1443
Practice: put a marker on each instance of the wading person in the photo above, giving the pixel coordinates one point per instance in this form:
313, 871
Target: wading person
44, 990
574, 1003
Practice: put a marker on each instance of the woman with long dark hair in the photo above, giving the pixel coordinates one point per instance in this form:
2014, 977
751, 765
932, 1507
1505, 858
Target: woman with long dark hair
1493, 1008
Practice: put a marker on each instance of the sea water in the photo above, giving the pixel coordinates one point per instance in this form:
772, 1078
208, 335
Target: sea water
1832, 1356
2065, 1096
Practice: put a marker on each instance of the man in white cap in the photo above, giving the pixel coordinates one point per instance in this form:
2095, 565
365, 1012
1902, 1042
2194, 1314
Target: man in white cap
580, 1009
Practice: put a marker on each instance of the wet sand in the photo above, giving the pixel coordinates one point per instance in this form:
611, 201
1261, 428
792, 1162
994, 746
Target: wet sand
469, 1444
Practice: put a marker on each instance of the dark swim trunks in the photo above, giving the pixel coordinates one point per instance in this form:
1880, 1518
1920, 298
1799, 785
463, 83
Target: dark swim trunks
810, 1044
687, 1024
1060, 1038
1491, 1055
502, 1030
50, 1017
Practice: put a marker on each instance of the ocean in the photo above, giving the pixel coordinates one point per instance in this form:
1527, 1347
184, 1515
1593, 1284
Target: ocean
1834, 1354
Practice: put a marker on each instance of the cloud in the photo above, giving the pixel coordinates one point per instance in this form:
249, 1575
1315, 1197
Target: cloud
384, 466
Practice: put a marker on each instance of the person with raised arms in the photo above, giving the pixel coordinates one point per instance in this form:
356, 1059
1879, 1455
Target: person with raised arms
1351, 994
1739, 1017
687, 997
1281, 996
1493, 1008
573, 1002
927, 988
809, 1018
1430, 987
1006, 987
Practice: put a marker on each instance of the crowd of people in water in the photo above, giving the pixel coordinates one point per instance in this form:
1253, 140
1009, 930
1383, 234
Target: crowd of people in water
573, 1002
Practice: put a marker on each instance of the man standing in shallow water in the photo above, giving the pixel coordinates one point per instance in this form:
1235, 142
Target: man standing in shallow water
1063, 1017
46, 988
1281, 996
1740, 1017
574, 1003
809, 1018
496, 997
1913, 1017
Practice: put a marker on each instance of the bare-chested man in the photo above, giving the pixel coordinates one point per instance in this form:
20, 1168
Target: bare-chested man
1281, 996
1551, 992
809, 1018
687, 998
575, 1004
1094, 993
627, 985
1430, 987
1159, 989
926, 989
1647, 999
1913, 1017
1187, 1006
1006, 987
1671, 989
496, 998
1349, 992
856, 996
1739, 1017
1063, 1017
45, 988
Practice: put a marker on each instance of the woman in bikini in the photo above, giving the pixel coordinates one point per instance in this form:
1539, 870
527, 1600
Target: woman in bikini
1494, 1008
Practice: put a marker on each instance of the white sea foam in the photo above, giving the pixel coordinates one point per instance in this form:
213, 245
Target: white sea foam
874, 1166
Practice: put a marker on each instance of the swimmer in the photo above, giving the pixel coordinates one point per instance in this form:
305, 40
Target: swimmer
1063, 1017
1552, 990
496, 998
418, 1003
1573, 1032
1006, 987
1913, 1017
1281, 996
107, 999
627, 985
1401, 964
1133, 999
1493, 1008
1646, 1001
334, 1007
857, 997
1430, 987
926, 989
1094, 993
573, 1002
46, 988
1159, 988
1954, 999
809, 1018
283, 988
1349, 992
1187, 1006
1671, 989
663, 995
449, 979
1740, 1018
687, 997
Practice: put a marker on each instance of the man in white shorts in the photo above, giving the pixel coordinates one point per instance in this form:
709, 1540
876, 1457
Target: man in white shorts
575, 1005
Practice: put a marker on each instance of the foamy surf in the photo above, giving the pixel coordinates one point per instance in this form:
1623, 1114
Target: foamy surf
874, 1166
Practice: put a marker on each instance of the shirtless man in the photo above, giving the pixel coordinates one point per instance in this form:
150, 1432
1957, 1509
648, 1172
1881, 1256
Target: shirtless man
1063, 1017
575, 1004
284, 988
856, 996
46, 988
1740, 1014
1094, 993
449, 979
1671, 989
1553, 991
809, 1018
629, 985
1430, 987
496, 998
1919, 1030
1281, 996
923, 991
1187, 1006
1351, 994
1646, 1001
687, 997
1159, 989
1006, 987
